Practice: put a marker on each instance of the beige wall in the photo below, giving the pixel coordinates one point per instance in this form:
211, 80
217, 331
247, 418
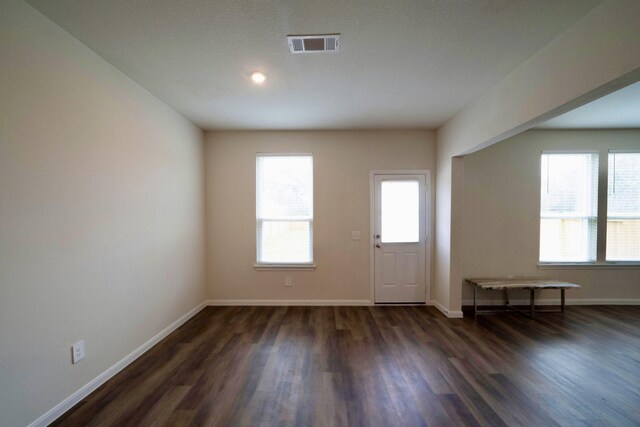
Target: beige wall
577, 67
501, 213
101, 214
342, 161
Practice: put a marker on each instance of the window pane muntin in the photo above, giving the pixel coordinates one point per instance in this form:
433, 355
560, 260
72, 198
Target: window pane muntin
568, 207
284, 209
400, 211
623, 207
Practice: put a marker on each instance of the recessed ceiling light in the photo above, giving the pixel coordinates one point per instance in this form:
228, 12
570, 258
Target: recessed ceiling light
258, 77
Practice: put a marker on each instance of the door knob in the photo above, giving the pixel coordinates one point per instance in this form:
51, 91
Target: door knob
378, 245
377, 236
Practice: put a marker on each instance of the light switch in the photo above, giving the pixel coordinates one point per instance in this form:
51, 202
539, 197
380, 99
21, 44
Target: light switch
355, 235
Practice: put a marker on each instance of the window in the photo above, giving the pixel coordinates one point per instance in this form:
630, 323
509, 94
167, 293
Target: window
284, 209
623, 207
568, 207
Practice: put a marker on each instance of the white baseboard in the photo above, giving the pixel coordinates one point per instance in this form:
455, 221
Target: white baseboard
555, 301
449, 313
222, 302
62, 407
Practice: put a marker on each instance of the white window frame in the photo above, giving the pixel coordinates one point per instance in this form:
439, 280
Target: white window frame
259, 265
607, 218
589, 218
601, 234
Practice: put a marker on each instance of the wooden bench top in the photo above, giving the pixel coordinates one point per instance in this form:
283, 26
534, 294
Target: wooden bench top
522, 284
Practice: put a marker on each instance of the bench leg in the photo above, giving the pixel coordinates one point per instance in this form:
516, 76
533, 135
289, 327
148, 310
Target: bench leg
475, 301
532, 302
562, 300
506, 299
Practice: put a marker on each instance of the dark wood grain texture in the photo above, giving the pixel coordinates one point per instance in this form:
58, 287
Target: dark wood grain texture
379, 366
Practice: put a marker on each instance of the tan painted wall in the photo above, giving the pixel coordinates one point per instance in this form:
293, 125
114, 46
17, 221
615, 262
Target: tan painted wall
101, 214
595, 56
342, 161
502, 205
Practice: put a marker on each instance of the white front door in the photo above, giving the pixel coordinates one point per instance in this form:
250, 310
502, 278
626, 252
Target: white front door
400, 238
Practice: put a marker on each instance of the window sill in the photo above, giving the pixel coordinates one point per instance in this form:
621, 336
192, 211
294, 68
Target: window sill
262, 267
589, 266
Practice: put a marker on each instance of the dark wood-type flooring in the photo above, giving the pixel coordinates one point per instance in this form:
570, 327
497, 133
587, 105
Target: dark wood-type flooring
379, 366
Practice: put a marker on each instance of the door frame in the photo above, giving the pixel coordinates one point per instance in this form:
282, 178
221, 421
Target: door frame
428, 241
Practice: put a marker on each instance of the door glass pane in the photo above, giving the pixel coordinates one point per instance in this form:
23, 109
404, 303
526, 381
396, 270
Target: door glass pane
400, 211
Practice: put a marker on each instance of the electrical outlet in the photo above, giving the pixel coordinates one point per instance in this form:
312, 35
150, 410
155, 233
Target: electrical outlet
355, 235
77, 352
287, 281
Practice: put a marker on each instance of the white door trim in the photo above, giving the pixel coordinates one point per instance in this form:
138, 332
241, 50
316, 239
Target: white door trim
427, 252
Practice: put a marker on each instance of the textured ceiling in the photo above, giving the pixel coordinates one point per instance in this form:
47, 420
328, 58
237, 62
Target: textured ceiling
402, 63
619, 110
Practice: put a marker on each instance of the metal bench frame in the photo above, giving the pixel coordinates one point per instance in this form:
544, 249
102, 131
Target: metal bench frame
532, 307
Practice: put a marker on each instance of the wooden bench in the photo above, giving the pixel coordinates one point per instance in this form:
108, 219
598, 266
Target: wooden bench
505, 285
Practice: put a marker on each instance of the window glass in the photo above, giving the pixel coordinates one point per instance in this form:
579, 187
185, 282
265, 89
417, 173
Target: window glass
568, 207
623, 207
284, 209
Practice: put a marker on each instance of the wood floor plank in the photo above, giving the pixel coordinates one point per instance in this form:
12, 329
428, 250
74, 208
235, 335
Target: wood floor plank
379, 366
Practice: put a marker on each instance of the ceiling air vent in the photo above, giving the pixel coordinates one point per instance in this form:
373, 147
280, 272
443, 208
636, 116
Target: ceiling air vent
314, 43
